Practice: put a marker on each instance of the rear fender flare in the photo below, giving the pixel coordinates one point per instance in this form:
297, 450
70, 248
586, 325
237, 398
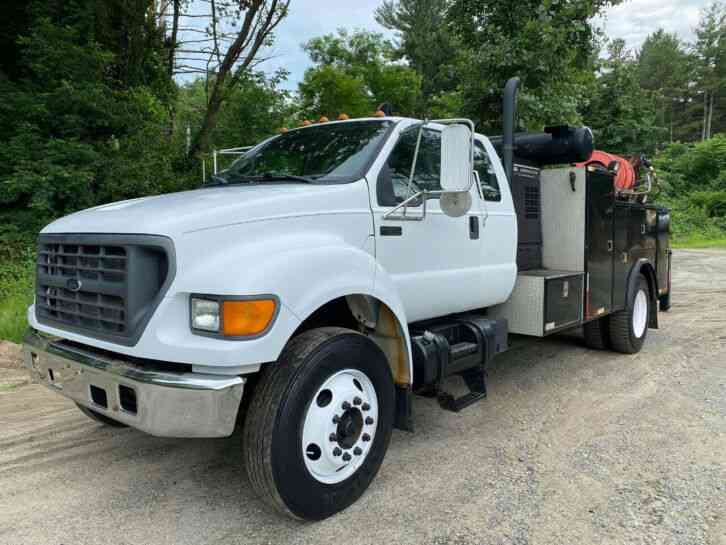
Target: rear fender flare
645, 267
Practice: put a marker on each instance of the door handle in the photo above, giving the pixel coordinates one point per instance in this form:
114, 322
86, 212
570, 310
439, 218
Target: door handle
474, 227
610, 245
391, 231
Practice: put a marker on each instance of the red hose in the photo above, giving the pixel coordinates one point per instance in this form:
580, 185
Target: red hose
624, 179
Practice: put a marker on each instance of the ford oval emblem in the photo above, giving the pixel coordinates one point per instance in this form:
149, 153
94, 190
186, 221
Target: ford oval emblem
73, 284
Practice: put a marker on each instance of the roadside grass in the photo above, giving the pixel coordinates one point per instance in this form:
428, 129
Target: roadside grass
16, 293
697, 242
12, 316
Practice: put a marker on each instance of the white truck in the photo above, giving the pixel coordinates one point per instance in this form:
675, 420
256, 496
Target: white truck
328, 275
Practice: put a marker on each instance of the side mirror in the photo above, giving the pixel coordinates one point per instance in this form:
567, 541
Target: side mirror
456, 167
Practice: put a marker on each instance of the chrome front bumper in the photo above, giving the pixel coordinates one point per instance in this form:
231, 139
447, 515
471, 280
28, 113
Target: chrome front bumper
162, 403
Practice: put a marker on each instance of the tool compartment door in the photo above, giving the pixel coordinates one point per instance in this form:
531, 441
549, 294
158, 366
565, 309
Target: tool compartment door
599, 243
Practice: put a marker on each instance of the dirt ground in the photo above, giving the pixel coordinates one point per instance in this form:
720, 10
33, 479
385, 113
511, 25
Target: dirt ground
571, 447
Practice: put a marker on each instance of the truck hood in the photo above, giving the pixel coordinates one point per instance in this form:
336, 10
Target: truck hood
207, 208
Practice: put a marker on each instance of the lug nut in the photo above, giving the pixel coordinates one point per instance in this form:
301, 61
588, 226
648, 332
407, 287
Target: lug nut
333, 437
357, 451
357, 401
346, 457
337, 451
369, 420
336, 419
366, 437
366, 407
346, 405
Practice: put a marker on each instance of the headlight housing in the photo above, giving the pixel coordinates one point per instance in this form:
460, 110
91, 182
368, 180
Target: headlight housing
233, 317
206, 315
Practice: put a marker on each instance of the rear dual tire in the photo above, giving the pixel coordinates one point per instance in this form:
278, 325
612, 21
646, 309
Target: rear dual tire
623, 331
597, 334
319, 423
629, 327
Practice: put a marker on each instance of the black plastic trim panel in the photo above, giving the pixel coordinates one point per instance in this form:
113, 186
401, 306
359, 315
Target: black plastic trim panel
105, 239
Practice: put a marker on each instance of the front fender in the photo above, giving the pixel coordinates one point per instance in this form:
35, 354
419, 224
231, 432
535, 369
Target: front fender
305, 262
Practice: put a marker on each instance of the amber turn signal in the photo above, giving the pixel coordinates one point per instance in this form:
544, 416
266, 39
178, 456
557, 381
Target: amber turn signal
247, 318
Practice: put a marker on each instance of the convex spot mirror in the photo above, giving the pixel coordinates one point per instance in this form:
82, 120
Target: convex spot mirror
456, 167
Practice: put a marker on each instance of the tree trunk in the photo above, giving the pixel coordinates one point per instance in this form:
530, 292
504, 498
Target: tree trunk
174, 36
705, 115
710, 117
255, 29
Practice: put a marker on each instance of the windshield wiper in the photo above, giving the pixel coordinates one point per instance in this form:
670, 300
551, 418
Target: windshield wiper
217, 180
275, 177
265, 177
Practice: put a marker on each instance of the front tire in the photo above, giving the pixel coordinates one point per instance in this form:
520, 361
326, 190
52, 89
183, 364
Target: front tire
319, 423
629, 327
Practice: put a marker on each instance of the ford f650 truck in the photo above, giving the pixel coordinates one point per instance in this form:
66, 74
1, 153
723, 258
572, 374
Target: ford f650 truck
332, 272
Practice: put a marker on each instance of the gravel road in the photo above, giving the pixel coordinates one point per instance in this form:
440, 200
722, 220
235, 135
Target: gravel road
571, 447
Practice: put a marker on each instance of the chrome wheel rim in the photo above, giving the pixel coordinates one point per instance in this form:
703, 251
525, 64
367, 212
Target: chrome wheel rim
340, 426
640, 314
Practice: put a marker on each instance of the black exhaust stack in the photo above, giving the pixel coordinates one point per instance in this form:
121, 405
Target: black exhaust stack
510, 119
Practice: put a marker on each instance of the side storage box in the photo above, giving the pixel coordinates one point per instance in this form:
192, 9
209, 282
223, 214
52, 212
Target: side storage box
543, 302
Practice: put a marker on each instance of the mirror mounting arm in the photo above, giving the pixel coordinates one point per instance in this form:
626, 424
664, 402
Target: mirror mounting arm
392, 216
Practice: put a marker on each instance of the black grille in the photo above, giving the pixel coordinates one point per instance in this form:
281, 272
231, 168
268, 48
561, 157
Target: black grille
83, 285
106, 286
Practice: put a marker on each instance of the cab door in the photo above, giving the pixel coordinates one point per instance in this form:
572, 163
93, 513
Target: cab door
435, 262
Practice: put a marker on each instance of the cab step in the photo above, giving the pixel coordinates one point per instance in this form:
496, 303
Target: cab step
459, 346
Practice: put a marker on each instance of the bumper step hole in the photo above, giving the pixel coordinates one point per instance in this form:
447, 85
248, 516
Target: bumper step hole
127, 397
98, 396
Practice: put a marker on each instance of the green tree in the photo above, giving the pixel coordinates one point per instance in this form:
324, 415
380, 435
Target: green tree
425, 41
550, 44
83, 120
623, 115
257, 108
666, 69
710, 52
353, 74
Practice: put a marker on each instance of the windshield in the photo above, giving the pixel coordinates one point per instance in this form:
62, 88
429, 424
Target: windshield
333, 152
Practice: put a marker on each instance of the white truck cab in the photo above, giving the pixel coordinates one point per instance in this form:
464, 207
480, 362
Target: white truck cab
312, 287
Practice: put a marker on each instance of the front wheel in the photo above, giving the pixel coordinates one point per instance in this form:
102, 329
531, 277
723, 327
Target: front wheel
319, 423
629, 327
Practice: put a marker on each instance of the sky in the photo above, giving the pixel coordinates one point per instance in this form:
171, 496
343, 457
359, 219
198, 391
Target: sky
632, 21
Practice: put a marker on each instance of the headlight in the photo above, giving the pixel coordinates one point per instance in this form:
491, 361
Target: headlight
234, 317
205, 315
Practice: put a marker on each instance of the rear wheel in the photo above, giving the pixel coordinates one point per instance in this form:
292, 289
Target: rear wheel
100, 418
597, 334
319, 423
629, 327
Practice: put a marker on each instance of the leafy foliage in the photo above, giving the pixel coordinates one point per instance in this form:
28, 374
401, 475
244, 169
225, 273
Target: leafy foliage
425, 42
355, 73
622, 114
550, 44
